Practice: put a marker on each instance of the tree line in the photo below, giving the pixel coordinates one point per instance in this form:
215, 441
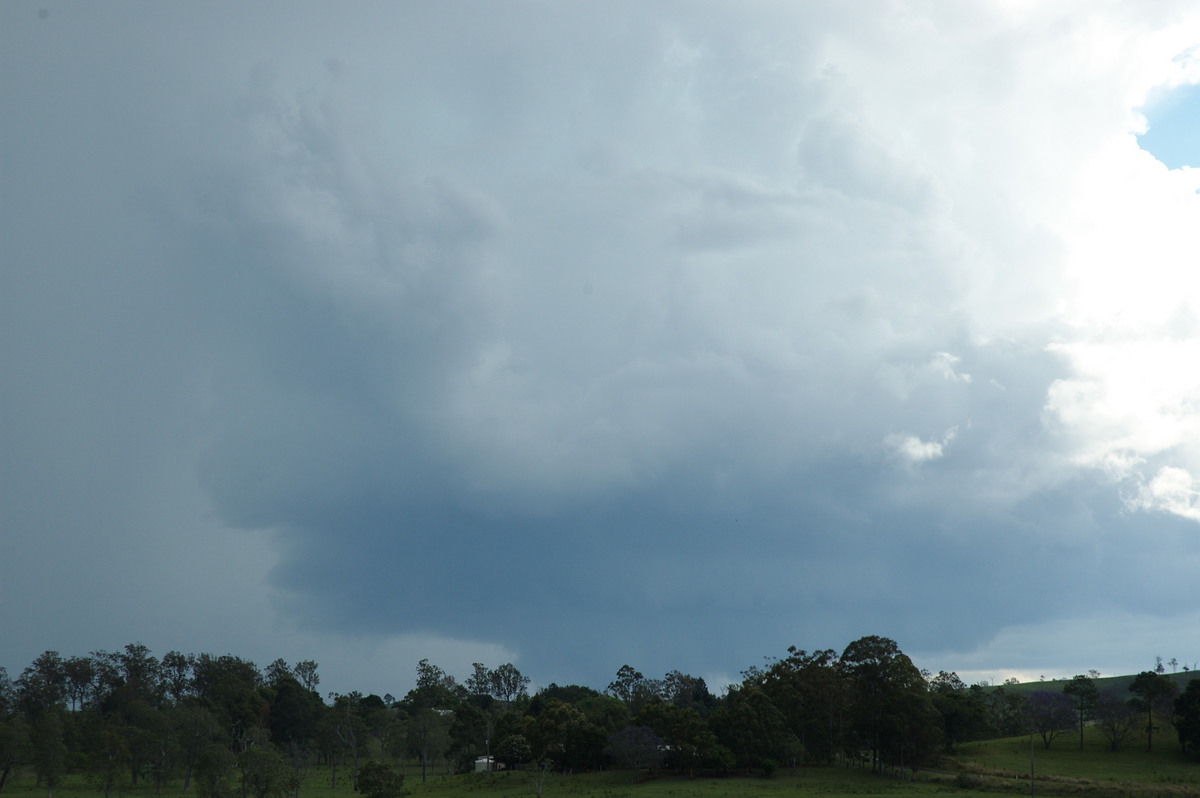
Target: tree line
221, 727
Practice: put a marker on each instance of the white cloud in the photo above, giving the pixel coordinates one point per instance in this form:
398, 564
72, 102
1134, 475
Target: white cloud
913, 450
1173, 490
945, 365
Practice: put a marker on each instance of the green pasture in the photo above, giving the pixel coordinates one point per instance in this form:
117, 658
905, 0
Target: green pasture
828, 782
1143, 772
980, 768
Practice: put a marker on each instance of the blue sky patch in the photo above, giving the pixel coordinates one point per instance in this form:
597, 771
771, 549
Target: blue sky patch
1174, 129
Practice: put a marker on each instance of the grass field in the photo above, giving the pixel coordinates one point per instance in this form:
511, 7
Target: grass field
826, 782
994, 766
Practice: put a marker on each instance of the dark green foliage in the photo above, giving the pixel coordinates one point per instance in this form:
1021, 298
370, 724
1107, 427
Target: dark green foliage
176, 672
435, 689
107, 759
688, 692
214, 771
229, 686
49, 750
1154, 693
688, 738
265, 773
1004, 710
513, 751
563, 735
1083, 694
1187, 718
42, 686
634, 689
507, 683
293, 712
889, 706
963, 712
215, 726
568, 694
752, 727
809, 689
377, 780
14, 744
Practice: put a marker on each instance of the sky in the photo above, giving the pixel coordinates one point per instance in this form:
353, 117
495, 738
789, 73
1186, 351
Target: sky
577, 335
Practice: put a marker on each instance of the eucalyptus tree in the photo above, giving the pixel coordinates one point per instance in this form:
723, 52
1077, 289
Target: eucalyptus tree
176, 671
229, 686
753, 728
80, 680
41, 687
634, 689
1154, 694
305, 672
889, 704
49, 750
1083, 693
810, 690
688, 739
962, 711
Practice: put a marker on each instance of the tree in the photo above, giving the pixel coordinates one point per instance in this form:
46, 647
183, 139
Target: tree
1154, 693
514, 751
1187, 718
809, 690
349, 728
80, 676
429, 736
507, 683
890, 705
479, 683
277, 671
213, 771
633, 688
49, 750
563, 735
195, 728
962, 711
106, 762
377, 780
688, 739
1115, 718
265, 774
469, 733
306, 673
176, 670
42, 686
1083, 694
1005, 717
752, 728
14, 742
140, 674
435, 689
1048, 713
229, 686
637, 747
684, 690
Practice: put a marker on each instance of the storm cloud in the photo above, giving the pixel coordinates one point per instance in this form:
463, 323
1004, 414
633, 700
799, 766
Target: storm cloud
578, 335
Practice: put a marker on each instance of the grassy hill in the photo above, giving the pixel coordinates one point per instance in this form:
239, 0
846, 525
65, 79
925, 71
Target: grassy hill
1116, 683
